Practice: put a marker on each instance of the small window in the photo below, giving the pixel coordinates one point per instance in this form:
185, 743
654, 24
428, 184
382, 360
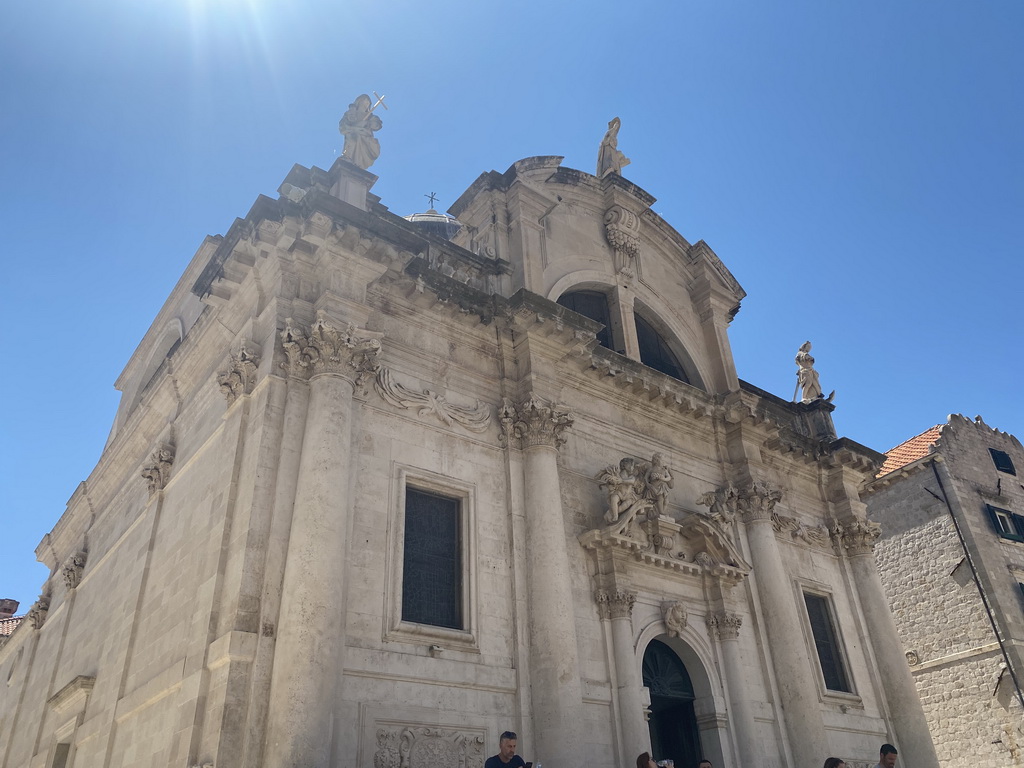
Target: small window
655, 352
826, 642
60, 756
432, 561
1002, 461
592, 304
1007, 524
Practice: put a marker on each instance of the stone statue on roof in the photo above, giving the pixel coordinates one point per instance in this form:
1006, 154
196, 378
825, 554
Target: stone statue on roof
609, 158
807, 377
357, 126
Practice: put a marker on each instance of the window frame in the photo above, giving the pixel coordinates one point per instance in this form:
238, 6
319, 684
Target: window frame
1014, 522
1002, 461
398, 629
822, 592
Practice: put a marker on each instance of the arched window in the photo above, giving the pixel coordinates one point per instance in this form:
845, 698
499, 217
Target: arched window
592, 304
655, 352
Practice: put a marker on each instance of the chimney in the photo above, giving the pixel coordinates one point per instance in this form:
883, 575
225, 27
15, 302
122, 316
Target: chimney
8, 608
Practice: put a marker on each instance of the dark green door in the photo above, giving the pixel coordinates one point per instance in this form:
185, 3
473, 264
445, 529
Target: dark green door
673, 724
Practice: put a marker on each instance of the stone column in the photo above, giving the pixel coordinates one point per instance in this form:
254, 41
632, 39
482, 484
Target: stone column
725, 627
636, 735
556, 695
857, 539
308, 656
794, 669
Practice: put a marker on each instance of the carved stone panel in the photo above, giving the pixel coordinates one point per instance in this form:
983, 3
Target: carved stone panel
419, 746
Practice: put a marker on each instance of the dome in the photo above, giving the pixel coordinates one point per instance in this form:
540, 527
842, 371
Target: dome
438, 224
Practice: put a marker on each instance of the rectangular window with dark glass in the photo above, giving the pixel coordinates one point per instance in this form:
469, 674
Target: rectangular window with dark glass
826, 642
1002, 461
432, 560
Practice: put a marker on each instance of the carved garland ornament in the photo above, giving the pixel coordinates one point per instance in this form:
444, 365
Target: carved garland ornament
328, 349
158, 471
240, 377
474, 419
533, 422
427, 747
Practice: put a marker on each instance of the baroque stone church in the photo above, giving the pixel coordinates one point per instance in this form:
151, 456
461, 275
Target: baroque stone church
380, 489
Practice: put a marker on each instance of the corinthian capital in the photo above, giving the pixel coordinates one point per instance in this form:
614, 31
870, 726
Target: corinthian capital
724, 625
349, 352
533, 422
614, 605
856, 537
240, 376
158, 471
758, 500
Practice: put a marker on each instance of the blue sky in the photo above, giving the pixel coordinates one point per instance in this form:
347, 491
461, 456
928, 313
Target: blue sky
857, 165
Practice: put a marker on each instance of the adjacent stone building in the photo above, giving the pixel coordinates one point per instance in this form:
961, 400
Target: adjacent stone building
374, 495
951, 505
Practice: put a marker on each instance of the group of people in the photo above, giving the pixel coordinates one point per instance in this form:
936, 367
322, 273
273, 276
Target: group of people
507, 757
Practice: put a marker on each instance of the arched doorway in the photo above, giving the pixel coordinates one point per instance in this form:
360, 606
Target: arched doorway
673, 724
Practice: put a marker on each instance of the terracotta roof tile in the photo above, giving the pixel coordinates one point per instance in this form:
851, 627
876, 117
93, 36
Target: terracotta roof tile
9, 624
911, 450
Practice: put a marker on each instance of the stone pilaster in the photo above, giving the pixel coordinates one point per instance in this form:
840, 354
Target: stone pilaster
725, 628
311, 631
617, 607
557, 695
857, 539
798, 690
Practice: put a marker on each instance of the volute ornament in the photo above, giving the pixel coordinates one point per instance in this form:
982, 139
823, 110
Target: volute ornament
533, 422
158, 471
240, 377
73, 568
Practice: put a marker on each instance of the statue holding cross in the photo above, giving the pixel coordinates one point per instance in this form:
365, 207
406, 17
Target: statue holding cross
357, 126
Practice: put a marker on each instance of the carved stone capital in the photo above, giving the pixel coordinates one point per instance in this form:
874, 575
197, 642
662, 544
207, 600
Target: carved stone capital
240, 376
73, 568
36, 615
622, 230
158, 471
614, 605
674, 615
856, 537
349, 352
755, 501
533, 422
724, 625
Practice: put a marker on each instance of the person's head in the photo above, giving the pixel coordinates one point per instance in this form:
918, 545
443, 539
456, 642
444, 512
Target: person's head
704, 764
887, 756
507, 745
644, 760
834, 762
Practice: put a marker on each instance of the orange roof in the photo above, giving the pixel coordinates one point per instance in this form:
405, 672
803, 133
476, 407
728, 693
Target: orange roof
911, 450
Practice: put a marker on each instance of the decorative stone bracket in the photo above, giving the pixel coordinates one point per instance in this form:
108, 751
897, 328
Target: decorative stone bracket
474, 419
73, 568
158, 471
533, 422
240, 377
622, 230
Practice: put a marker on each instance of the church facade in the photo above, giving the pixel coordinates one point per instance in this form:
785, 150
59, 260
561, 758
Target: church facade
374, 496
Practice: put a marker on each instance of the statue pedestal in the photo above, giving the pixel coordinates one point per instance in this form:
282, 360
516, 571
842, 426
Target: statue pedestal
818, 418
351, 183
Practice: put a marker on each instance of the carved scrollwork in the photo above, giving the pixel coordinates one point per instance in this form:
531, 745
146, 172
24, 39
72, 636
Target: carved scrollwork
240, 376
73, 568
426, 747
614, 605
158, 471
724, 625
36, 615
622, 230
350, 352
474, 419
533, 422
674, 615
815, 535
